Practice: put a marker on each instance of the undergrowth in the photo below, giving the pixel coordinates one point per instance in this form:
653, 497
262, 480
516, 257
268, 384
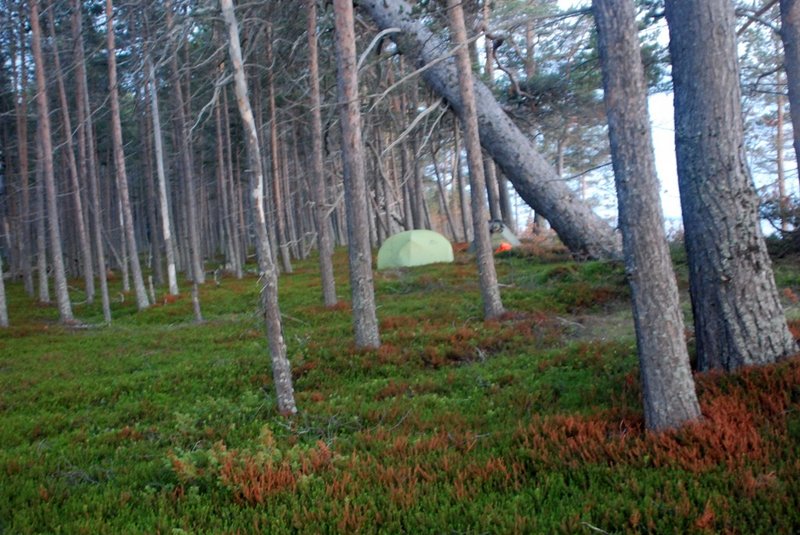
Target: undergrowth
528, 424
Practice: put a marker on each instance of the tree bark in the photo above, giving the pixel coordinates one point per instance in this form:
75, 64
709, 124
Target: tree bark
505, 202
365, 321
490, 292
20, 81
195, 257
142, 300
790, 35
41, 223
281, 369
737, 312
492, 189
780, 175
3, 305
72, 166
278, 193
123, 246
463, 206
155, 241
87, 155
490, 171
225, 212
581, 230
443, 204
318, 189
667, 385
237, 212
62, 293
163, 198
198, 314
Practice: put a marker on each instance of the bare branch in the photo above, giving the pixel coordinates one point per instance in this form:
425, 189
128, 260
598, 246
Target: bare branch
373, 43
424, 113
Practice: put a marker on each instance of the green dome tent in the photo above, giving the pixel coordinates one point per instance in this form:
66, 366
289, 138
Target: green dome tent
414, 248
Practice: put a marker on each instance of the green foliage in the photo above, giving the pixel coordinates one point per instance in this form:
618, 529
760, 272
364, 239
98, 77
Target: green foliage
528, 424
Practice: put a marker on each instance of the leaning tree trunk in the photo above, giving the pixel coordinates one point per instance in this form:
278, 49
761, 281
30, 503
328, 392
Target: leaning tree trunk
318, 190
667, 384
62, 293
365, 319
490, 292
790, 35
737, 313
281, 370
585, 233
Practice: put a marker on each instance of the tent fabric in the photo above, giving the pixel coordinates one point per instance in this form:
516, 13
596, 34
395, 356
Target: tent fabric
505, 236
414, 248
504, 247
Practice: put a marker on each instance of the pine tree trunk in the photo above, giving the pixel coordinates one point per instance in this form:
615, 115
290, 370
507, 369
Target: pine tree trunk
226, 213
489, 168
445, 208
41, 223
163, 198
266, 198
302, 214
318, 189
529, 61
237, 212
281, 370
790, 35
365, 321
123, 247
146, 132
405, 195
490, 292
62, 293
142, 300
737, 312
667, 385
492, 191
3, 305
278, 195
87, 156
581, 230
195, 258
463, 206
780, 175
72, 166
198, 315
20, 81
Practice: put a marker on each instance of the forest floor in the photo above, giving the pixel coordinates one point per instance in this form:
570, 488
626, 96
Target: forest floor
530, 424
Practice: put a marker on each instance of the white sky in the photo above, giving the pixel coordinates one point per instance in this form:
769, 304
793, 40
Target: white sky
661, 118
663, 131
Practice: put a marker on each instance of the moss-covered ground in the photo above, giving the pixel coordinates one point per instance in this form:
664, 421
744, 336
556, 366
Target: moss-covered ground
530, 424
